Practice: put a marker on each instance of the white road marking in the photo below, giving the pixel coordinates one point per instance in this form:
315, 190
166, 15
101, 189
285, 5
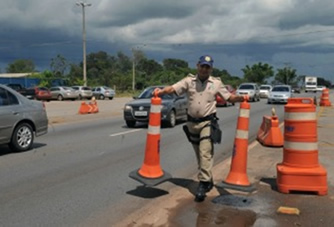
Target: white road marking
126, 132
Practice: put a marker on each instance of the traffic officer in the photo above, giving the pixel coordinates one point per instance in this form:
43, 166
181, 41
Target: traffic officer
201, 90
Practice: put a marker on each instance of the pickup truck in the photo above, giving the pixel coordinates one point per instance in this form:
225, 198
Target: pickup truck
27, 92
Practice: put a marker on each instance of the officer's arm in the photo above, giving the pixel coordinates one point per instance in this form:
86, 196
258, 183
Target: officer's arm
236, 98
165, 90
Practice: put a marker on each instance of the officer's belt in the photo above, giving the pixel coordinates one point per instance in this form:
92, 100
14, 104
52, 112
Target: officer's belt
201, 119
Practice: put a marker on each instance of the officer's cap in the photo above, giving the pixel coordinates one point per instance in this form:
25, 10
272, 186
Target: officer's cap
205, 60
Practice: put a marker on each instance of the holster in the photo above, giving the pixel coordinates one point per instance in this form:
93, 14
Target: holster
189, 135
216, 133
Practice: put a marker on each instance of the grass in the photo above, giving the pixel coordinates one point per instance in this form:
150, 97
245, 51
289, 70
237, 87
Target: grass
126, 94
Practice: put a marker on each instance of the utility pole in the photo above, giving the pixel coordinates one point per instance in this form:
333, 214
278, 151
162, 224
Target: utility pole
83, 5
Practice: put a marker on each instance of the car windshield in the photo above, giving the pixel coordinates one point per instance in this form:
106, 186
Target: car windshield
281, 89
68, 88
75, 88
147, 94
107, 88
86, 88
311, 83
264, 88
43, 89
246, 87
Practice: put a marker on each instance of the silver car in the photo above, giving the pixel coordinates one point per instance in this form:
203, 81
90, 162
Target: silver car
62, 93
103, 92
20, 119
83, 92
265, 90
250, 89
280, 94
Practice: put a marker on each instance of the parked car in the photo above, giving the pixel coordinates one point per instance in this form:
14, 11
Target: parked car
280, 94
42, 93
83, 92
61, 93
221, 101
21, 119
103, 92
250, 89
295, 89
27, 92
320, 88
265, 90
174, 108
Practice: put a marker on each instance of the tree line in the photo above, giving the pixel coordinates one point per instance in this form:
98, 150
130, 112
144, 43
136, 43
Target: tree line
117, 70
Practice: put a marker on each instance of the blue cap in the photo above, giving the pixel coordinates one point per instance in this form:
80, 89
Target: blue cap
206, 60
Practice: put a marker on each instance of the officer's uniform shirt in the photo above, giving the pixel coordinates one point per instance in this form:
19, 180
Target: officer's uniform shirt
201, 96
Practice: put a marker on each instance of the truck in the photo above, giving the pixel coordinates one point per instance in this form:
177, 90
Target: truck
27, 92
311, 84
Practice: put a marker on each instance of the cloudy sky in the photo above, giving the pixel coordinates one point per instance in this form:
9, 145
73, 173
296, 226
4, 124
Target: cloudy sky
298, 33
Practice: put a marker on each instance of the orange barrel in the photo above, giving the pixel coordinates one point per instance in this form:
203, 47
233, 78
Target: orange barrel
300, 133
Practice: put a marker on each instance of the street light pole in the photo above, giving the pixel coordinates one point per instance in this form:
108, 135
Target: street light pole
83, 5
133, 70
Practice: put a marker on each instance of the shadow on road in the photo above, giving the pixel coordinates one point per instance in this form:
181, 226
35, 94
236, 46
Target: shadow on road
147, 192
191, 185
271, 182
4, 149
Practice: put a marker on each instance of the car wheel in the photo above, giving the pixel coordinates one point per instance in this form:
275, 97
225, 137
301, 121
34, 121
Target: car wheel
130, 124
101, 97
111, 98
172, 119
22, 138
60, 98
269, 102
80, 97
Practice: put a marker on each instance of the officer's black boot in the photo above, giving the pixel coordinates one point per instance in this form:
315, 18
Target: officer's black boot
202, 189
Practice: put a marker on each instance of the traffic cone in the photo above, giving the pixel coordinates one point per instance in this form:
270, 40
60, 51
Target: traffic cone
84, 108
151, 173
300, 169
237, 179
269, 133
93, 105
325, 98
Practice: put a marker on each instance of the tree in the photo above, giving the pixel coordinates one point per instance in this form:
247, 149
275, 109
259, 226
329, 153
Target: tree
258, 73
21, 66
287, 76
174, 64
324, 82
59, 66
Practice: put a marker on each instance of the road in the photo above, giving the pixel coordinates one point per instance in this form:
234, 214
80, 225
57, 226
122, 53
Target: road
79, 171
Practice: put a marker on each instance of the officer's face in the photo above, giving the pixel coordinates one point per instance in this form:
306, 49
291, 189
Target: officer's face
204, 71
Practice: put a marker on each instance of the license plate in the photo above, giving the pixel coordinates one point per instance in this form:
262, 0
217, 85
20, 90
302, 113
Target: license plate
141, 113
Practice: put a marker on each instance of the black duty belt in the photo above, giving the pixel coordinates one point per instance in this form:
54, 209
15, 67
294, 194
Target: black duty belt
201, 119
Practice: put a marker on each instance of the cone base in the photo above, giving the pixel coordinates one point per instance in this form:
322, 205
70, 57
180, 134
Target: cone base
249, 188
150, 181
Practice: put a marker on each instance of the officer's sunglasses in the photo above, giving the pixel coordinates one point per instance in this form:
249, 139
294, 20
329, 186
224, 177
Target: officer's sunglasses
205, 66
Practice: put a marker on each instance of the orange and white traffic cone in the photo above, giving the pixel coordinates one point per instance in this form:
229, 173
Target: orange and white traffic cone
325, 98
151, 173
84, 108
237, 179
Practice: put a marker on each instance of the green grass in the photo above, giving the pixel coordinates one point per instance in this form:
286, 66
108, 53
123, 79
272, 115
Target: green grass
126, 94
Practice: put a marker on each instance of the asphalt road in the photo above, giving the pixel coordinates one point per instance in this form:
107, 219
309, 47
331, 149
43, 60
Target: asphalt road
79, 171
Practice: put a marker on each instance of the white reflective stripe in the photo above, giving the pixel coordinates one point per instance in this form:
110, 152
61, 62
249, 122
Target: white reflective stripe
324, 98
154, 130
244, 113
156, 108
241, 134
301, 146
300, 116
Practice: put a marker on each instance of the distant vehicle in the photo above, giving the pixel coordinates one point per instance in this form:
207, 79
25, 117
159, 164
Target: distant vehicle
42, 93
103, 92
250, 89
27, 92
295, 89
280, 94
221, 101
320, 88
311, 84
83, 92
265, 90
174, 108
61, 93
21, 119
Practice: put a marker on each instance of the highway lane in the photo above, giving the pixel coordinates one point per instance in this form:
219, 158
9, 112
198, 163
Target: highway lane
80, 170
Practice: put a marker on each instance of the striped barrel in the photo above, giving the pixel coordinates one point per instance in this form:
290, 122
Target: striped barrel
300, 134
238, 172
151, 167
325, 98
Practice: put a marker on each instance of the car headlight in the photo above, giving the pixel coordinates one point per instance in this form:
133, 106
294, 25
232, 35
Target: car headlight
127, 107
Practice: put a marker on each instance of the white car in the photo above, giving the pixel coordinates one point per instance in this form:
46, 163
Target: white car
265, 90
320, 88
250, 89
280, 94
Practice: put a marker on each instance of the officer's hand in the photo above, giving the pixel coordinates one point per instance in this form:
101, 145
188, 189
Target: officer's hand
157, 92
246, 98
